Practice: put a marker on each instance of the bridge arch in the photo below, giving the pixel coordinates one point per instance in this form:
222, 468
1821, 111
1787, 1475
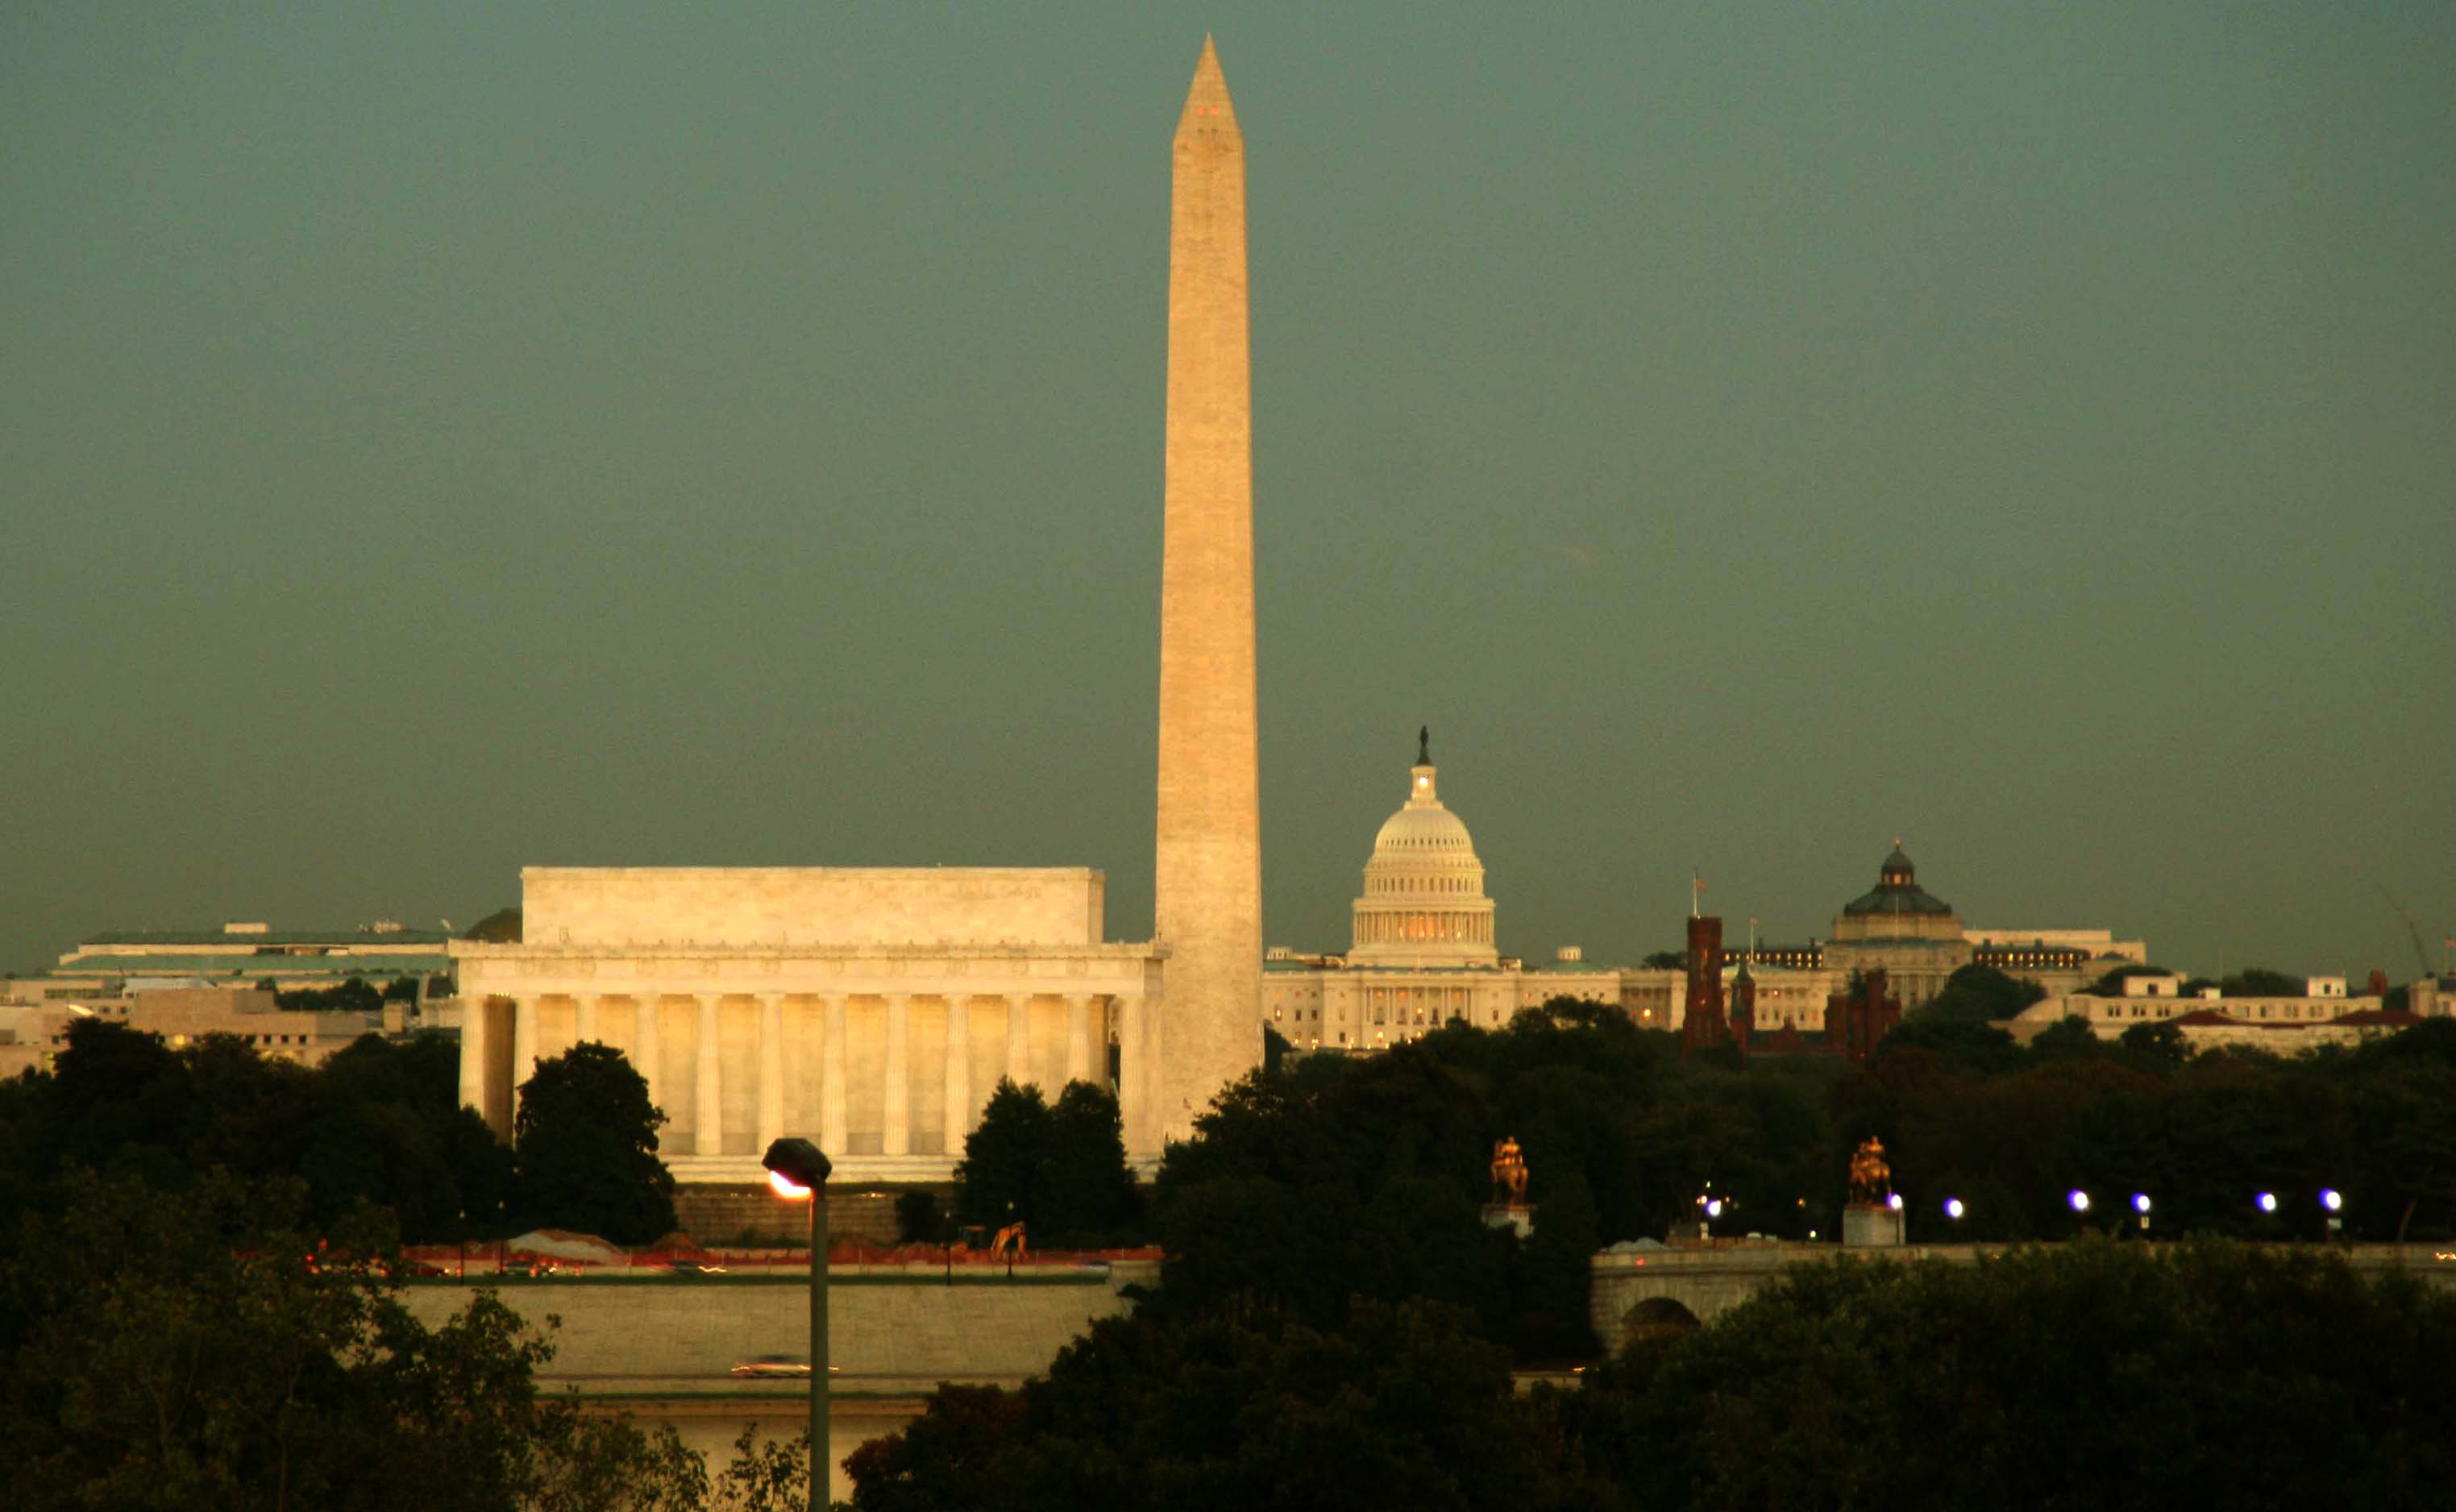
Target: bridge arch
1656, 1319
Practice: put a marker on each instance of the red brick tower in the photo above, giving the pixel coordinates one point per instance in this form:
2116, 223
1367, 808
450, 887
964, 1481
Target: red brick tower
1744, 1008
1856, 1022
1701, 1026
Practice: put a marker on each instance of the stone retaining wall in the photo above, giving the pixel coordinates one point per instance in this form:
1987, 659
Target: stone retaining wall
887, 1333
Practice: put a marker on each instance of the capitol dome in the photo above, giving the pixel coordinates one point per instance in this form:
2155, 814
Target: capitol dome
1420, 828
1423, 901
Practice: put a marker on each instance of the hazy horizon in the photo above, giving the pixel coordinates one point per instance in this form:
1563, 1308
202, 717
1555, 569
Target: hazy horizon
448, 439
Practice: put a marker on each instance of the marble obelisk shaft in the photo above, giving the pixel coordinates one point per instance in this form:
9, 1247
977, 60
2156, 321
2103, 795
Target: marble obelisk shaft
1208, 881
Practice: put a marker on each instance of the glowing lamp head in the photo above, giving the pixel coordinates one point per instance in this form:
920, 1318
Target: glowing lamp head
2079, 1199
2266, 1201
1714, 1209
795, 1168
1953, 1210
2331, 1199
1894, 1202
2140, 1202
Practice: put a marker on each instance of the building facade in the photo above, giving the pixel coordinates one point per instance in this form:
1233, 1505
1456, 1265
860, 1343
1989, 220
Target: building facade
32, 1036
118, 962
877, 1009
2324, 1015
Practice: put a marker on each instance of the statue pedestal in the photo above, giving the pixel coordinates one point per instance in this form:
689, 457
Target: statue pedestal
1866, 1228
1509, 1216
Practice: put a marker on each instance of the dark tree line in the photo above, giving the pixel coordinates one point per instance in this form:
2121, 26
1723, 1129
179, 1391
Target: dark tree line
1335, 1325
378, 1126
199, 1267
2098, 1375
1966, 1112
204, 1347
1365, 1178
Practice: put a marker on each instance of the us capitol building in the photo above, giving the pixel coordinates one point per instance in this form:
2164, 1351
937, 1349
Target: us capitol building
1421, 950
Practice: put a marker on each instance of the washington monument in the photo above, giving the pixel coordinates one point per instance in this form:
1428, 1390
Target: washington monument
1207, 885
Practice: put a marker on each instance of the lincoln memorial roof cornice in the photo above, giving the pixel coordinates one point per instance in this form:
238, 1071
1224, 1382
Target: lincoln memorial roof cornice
871, 874
817, 954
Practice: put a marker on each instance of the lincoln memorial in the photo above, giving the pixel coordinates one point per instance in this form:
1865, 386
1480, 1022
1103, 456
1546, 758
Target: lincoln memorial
873, 1007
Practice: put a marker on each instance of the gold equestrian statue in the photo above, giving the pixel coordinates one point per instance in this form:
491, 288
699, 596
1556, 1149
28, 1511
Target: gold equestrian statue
1508, 1172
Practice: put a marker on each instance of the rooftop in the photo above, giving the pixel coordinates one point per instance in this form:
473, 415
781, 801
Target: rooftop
1897, 891
395, 938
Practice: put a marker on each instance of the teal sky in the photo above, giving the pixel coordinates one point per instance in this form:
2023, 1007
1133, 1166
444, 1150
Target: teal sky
437, 439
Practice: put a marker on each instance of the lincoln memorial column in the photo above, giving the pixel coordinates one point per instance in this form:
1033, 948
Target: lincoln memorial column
583, 1028
1018, 1038
708, 1107
897, 1138
771, 1068
645, 1042
959, 1072
525, 1038
831, 1077
1079, 1037
474, 1045
1138, 1080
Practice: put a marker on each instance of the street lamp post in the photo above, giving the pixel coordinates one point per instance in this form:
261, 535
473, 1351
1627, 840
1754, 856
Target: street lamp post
797, 1170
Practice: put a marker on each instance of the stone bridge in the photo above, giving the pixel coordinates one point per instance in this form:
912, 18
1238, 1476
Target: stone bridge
1677, 1286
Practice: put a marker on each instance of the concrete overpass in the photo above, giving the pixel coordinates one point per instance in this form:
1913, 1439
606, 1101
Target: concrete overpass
662, 1347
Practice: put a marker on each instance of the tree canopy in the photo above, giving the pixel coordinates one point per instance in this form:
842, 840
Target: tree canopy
2202, 1135
2095, 1375
206, 1351
1061, 1170
379, 1124
1979, 994
1401, 1406
586, 1143
353, 997
2092, 1374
